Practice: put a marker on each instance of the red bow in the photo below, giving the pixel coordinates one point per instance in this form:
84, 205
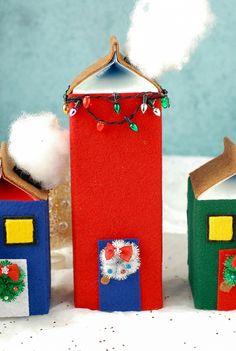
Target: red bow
124, 252
234, 262
12, 271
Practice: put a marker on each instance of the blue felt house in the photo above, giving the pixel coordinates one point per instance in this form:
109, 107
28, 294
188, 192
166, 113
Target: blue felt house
24, 244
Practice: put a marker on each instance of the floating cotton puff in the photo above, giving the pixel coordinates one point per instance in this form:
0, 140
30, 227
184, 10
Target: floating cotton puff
163, 34
40, 147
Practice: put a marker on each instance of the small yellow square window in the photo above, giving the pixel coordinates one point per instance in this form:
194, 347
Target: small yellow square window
19, 231
220, 228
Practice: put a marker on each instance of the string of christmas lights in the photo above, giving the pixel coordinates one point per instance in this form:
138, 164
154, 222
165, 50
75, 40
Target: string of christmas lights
148, 100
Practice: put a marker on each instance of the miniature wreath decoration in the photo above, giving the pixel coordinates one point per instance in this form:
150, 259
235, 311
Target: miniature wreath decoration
229, 273
11, 281
118, 260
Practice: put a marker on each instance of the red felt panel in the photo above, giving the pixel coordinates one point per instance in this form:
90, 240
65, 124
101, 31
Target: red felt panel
9, 191
116, 179
226, 300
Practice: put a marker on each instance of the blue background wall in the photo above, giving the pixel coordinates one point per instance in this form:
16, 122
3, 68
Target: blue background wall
44, 44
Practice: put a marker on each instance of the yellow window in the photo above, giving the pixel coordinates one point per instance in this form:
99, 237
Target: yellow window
220, 228
19, 231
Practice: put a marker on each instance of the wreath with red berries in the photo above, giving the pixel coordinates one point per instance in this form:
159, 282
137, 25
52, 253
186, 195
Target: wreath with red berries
12, 282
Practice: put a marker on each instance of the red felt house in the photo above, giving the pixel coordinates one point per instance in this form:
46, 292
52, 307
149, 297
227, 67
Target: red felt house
116, 180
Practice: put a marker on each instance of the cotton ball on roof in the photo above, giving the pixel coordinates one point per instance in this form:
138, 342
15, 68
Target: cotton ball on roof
40, 147
164, 33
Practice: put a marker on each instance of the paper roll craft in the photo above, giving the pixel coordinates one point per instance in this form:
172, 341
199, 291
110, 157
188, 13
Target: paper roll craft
24, 244
116, 180
212, 231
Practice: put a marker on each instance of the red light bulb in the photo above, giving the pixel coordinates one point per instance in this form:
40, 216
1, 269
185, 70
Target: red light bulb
234, 262
86, 101
100, 126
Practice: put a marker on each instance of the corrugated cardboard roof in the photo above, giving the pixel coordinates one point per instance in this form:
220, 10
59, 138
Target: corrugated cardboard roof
215, 171
8, 174
103, 62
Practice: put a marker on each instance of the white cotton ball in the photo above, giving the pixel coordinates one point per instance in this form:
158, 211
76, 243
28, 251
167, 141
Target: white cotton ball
164, 33
40, 146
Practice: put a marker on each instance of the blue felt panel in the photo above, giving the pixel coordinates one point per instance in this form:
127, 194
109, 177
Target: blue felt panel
119, 295
37, 255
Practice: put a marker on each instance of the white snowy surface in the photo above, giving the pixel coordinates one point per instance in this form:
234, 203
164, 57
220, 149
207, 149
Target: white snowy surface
177, 326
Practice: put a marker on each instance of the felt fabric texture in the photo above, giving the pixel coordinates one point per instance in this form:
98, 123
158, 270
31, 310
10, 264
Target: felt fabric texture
19, 230
216, 170
220, 228
226, 301
203, 255
103, 62
9, 191
7, 166
119, 295
37, 256
116, 181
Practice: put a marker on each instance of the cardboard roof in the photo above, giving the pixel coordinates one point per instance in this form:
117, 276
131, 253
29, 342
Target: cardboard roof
103, 62
8, 174
215, 171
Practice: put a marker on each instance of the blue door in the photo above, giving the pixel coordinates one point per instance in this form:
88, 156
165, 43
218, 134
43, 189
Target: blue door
119, 275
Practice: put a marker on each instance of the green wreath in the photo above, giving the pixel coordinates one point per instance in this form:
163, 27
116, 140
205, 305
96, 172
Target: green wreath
229, 273
11, 284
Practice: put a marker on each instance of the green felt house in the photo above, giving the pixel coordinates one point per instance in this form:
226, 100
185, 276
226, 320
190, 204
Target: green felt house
212, 231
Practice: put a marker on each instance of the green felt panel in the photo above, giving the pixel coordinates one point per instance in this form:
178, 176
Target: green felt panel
203, 254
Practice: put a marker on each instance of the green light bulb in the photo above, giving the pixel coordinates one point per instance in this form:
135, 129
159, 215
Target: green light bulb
165, 102
133, 126
117, 107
